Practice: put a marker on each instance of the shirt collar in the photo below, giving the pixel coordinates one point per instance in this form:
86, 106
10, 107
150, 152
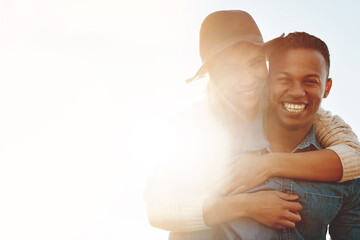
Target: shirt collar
309, 143
255, 139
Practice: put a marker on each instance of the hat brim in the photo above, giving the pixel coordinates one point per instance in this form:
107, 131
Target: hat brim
202, 70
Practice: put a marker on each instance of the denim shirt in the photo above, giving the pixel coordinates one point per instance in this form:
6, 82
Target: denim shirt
322, 203
309, 143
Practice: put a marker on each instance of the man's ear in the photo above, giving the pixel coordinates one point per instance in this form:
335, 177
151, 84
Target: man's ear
328, 85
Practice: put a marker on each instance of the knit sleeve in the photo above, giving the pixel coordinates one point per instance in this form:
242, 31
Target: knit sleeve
333, 133
174, 212
178, 186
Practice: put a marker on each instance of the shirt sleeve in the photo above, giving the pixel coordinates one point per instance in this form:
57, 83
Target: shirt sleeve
333, 133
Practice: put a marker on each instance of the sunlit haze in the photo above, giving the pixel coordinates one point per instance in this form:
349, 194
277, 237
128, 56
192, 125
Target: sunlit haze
81, 81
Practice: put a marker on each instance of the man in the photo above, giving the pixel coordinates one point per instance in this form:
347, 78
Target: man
298, 81
182, 198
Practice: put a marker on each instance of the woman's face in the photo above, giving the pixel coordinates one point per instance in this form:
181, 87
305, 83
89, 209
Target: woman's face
240, 73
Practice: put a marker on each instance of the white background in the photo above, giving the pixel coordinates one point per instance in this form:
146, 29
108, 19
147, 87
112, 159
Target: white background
80, 79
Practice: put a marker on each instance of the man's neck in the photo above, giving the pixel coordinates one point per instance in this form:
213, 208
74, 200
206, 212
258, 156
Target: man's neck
283, 138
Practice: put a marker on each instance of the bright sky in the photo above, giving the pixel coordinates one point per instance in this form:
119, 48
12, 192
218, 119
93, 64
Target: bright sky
79, 79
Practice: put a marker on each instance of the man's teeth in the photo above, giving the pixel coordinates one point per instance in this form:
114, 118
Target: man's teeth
294, 107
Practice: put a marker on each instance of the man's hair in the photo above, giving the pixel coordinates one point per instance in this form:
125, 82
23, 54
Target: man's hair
297, 40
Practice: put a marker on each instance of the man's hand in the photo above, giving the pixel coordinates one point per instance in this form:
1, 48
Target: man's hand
274, 209
246, 171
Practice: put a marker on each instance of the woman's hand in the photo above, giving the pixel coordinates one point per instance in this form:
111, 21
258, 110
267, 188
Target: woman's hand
271, 208
274, 209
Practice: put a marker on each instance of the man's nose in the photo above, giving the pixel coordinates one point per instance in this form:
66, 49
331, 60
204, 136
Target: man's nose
296, 90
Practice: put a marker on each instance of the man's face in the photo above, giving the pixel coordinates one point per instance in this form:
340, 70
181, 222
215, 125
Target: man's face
240, 73
298, 82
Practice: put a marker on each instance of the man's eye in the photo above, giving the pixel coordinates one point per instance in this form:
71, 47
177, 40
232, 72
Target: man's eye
311, 81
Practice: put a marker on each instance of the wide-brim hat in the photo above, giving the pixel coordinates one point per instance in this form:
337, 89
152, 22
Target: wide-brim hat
223, 29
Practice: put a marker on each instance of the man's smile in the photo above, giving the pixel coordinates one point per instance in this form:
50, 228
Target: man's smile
294, 107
